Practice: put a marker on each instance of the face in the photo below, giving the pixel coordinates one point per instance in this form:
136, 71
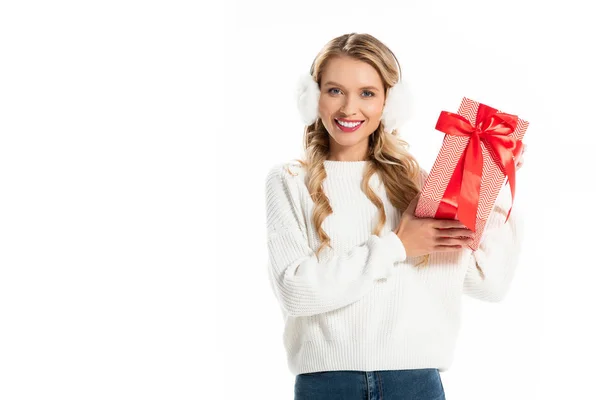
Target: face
351, 92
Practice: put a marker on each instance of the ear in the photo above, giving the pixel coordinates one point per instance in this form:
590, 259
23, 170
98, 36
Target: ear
307, 98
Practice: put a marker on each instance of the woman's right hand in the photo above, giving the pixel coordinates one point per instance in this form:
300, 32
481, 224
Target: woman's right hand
422, 236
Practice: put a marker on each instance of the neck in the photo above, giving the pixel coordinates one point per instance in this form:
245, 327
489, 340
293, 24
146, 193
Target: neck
358, 152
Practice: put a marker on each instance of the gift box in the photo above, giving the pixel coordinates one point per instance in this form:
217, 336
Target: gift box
476, 159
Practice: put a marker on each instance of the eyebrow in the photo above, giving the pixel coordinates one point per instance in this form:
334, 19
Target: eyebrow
337, 84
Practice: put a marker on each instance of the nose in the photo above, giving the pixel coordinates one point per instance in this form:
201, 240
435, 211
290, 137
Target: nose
349, 106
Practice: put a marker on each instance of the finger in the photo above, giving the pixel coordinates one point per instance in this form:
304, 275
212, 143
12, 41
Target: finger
448, 223
522, 155
412, 206
443, 241
442, 248
455, 232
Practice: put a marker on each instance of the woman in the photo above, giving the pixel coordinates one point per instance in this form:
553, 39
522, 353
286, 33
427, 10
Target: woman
366, 316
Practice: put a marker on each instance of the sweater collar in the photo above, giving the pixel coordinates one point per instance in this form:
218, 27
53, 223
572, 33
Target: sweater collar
352, 169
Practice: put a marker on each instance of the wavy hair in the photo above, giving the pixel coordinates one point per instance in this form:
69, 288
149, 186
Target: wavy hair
387, 155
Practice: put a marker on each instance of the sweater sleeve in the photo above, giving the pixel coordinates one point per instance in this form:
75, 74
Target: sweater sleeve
304, 284
492, 266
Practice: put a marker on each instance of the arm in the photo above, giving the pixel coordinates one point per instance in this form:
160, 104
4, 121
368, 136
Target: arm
303, 284
498, 253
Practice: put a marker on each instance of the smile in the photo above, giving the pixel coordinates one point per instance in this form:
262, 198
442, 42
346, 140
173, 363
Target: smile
348, 126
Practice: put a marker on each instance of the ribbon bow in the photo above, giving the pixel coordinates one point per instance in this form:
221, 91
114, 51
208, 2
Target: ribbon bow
492, 128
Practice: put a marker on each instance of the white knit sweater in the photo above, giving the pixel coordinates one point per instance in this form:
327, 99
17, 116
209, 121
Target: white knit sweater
364, 305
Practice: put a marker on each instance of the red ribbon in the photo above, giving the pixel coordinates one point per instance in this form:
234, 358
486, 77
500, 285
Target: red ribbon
492, 128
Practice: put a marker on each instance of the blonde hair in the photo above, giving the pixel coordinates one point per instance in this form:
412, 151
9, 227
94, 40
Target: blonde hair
387, 155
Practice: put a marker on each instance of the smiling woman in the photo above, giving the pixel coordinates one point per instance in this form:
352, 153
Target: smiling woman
363, 316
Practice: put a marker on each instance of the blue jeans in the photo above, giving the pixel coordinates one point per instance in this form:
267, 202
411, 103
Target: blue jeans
409, 384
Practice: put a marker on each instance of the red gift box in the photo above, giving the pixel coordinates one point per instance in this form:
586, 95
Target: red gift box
476, 159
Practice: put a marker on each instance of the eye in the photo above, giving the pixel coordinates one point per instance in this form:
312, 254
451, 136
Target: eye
369, 93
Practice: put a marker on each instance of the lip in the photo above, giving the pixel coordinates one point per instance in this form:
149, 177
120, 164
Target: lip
344, 129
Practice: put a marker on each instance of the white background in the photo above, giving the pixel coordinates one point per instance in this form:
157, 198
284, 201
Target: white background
134, 142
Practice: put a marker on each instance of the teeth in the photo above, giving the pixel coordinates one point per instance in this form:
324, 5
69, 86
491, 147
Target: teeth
348, 124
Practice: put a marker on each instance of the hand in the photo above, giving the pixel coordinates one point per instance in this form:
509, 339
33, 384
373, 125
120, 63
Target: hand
429, 235
519, 160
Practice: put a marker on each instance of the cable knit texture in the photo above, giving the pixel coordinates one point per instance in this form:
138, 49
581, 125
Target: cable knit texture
363, 305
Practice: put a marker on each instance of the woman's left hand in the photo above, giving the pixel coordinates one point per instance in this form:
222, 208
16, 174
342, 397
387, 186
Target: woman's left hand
519, 161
